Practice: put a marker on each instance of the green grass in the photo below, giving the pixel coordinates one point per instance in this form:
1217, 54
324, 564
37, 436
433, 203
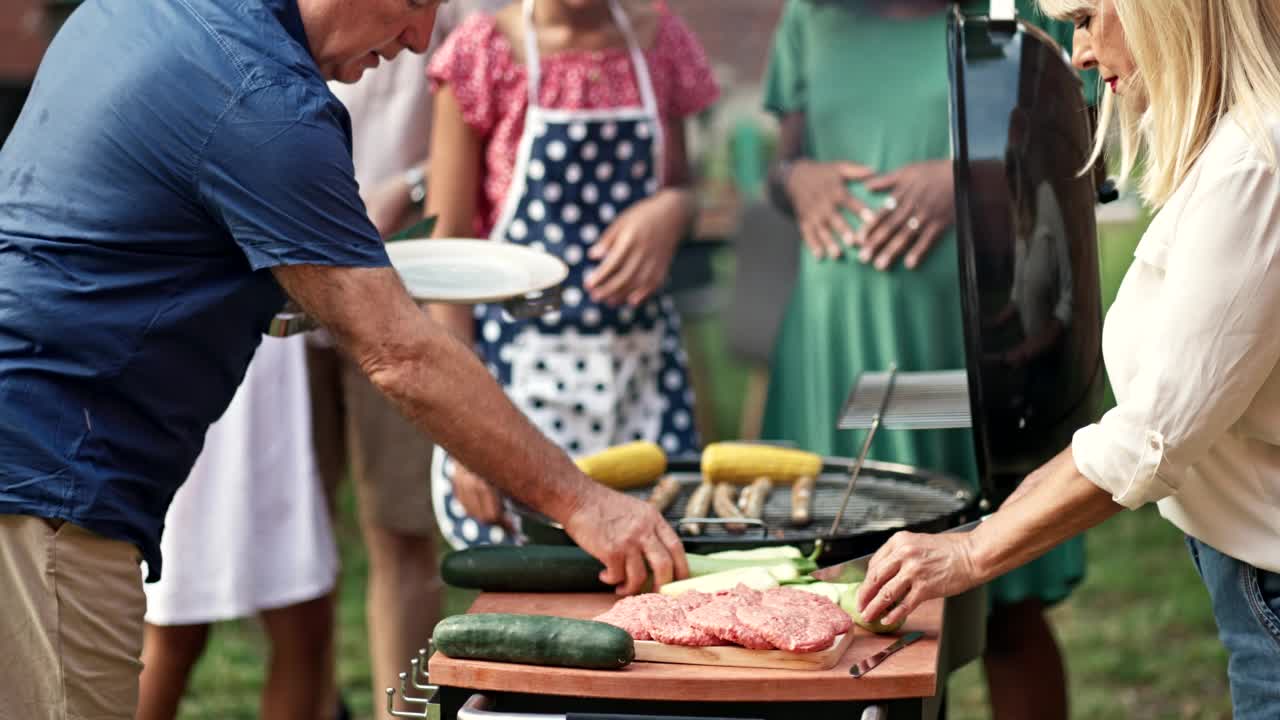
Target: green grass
1138, 634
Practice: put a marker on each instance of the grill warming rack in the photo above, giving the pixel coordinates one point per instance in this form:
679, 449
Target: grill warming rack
910, 401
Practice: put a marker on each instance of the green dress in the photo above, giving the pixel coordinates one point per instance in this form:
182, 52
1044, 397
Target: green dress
875, 91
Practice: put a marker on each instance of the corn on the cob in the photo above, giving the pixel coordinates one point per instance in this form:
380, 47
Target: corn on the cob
744, 462
625, 466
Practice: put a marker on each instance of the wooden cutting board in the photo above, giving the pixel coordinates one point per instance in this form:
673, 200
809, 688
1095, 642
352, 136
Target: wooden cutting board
913, 672
732, 656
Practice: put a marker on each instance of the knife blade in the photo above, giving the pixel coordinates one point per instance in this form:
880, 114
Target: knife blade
864, 666
855, 570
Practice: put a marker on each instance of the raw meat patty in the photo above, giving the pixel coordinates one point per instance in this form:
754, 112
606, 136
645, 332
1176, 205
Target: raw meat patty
719, 618
815, 606
743, 592
693, 600
786, 629
667, 623
628, 614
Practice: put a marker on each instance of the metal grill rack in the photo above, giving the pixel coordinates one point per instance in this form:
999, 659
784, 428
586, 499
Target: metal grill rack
882, 502
916, 401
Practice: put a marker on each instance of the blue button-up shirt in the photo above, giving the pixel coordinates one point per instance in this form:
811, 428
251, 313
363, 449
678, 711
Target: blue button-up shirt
169, 154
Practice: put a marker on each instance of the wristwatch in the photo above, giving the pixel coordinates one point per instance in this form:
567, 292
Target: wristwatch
417, 183
777, 184
782, 170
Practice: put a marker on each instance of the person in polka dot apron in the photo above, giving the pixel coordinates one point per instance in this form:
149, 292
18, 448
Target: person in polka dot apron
580, 154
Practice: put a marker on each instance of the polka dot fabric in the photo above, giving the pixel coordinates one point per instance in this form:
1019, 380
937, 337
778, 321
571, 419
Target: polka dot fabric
476, 62
589, 375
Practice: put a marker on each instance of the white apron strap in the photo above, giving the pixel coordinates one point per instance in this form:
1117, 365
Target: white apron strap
637, 59
533, 63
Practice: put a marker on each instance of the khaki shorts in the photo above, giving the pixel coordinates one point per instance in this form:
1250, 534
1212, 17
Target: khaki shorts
354, 425
71, 608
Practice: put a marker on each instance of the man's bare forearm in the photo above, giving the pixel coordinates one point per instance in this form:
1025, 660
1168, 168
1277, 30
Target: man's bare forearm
438, 383
443, 388
1052, 505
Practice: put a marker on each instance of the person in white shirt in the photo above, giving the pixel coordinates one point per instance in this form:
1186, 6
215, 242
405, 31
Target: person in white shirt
1191, 343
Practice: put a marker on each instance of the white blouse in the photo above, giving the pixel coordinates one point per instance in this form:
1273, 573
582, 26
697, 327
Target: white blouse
1191, 345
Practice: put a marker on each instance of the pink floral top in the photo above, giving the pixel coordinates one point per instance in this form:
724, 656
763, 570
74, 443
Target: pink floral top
477, 63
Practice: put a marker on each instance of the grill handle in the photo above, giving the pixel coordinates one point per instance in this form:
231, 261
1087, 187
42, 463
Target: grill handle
418, 678
477, 708
615, 716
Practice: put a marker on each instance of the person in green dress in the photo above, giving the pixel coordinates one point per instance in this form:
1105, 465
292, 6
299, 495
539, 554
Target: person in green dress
861, 88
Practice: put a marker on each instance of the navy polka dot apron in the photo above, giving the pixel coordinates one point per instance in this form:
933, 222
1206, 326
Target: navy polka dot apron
590, 375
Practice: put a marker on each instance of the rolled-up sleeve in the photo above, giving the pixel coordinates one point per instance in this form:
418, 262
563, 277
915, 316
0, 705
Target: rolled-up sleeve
277, 174
1213, 341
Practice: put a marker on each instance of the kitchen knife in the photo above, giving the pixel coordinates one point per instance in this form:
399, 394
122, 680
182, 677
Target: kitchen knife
856, 569
862, 667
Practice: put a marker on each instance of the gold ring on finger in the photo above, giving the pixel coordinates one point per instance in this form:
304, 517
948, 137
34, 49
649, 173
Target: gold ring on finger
913, 223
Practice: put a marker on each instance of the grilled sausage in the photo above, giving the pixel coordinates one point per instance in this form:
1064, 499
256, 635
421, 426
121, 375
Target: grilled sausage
744, 498
722, 501
699, 507
664, 493
802, 501
758, 496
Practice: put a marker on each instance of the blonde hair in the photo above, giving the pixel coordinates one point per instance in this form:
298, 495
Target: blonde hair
1197, 61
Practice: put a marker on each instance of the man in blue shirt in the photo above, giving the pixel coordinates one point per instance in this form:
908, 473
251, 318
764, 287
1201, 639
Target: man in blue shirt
179, 168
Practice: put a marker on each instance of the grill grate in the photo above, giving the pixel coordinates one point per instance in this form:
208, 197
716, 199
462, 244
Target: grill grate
880, 502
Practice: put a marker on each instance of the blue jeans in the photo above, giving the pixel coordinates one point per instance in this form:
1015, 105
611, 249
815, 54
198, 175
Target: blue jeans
1246, 606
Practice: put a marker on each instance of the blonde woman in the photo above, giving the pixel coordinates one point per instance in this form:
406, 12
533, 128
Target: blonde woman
1190, 344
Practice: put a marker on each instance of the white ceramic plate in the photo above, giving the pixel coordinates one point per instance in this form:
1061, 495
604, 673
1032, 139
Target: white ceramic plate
473, 271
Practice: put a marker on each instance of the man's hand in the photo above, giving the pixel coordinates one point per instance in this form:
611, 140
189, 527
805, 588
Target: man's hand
922, 209
626, 534
636, 249
819, 193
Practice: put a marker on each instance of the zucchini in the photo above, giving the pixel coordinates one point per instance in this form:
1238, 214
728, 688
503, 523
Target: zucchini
758, 578
849, 603
534, 640
567, 568
700, 565
830, 591
774, 552
523, 568
734, 559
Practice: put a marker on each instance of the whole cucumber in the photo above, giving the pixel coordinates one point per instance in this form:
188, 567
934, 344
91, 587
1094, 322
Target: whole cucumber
535, 640
523, 568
